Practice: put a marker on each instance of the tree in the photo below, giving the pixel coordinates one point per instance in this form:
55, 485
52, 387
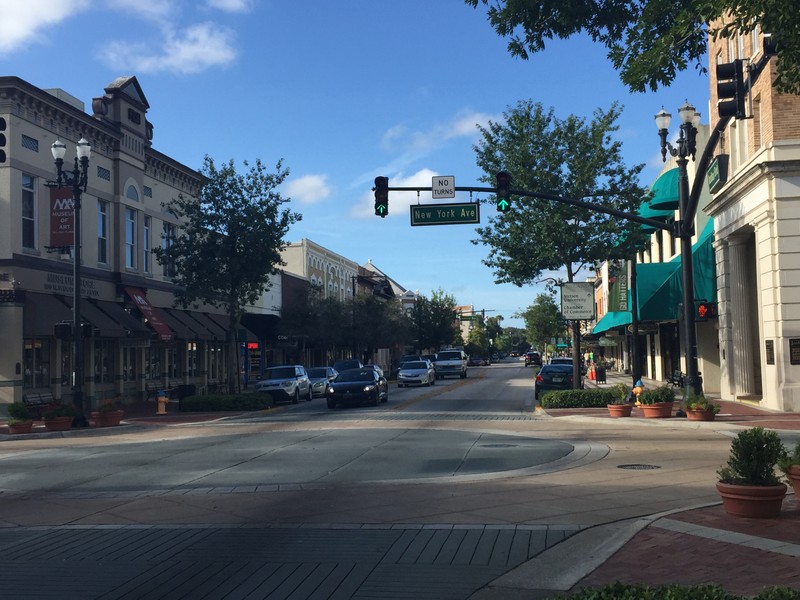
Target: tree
543, 321
229, 242
650, 41
569, 158
434, 321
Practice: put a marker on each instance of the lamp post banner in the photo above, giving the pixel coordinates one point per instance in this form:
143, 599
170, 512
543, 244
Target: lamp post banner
62, 217
618, 286
577, 301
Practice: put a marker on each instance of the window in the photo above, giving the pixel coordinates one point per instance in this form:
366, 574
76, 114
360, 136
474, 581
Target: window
132, 194
191, 359
146, 246
152, 363
130, 238
102, 232
36, 359
28, 211
103, 173
168, 241
104, 361
129, 370
30, 143
754, 37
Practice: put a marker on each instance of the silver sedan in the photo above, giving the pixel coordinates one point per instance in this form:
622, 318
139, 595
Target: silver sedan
320, 377
418, 372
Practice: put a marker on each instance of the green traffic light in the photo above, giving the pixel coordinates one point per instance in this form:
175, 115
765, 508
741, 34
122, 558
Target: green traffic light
503, 205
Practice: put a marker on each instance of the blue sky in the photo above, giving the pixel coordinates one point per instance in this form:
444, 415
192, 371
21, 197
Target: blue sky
342, 92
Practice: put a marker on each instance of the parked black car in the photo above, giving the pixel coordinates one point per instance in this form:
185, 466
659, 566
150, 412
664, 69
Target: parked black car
533, 358
552, 377
358, 386
348, 363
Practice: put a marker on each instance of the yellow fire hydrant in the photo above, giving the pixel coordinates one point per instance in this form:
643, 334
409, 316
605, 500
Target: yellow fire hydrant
162, 402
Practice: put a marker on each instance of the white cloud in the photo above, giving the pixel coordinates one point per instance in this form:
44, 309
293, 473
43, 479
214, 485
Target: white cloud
232, 6
398, 201
158, 12
191, 50
308, 189
23, 22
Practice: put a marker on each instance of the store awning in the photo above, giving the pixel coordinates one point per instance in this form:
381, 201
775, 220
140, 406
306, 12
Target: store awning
660, 285
264, 326
215, 330
131, 324
665, 191
612, 320
41, 313
102, 324
182, 331
245, 335
153, 316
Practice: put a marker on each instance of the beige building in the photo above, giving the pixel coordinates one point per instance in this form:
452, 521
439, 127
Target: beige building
336, 275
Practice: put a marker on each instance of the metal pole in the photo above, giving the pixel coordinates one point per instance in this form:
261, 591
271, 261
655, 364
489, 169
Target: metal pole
636, 369
77, 326
692, 381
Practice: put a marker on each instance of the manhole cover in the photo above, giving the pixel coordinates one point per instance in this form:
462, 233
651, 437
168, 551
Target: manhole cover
498, 445
638, 467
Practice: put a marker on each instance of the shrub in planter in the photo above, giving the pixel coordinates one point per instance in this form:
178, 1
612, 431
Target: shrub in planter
754, 455
59, 410
700, 402
659, 394
595, 398
619, 392
226, 402
617, 591
18, 411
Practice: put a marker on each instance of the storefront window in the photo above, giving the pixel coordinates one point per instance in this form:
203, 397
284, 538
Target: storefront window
129, 370
104, 371
174, 360
37, 363
152, 363
191, 359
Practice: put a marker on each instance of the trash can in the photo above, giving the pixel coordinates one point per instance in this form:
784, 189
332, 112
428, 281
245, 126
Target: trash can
600, 374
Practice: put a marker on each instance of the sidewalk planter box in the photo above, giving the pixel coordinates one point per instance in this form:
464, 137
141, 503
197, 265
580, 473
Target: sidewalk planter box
20, 427
107, 418
58, 423
696, 414
657, 410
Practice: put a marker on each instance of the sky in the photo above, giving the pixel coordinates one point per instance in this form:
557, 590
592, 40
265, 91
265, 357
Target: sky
341, 92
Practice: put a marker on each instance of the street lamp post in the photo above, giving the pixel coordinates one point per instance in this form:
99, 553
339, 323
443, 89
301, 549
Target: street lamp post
684, 229
76, 179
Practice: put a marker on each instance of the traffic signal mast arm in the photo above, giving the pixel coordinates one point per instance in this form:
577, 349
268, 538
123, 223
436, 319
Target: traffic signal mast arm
545, 196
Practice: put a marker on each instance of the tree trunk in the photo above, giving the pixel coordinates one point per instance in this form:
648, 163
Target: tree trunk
233, 351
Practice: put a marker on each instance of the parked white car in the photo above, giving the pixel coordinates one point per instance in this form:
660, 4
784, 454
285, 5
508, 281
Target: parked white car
418, 372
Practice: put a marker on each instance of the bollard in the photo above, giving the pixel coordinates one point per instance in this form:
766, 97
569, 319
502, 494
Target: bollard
162, 402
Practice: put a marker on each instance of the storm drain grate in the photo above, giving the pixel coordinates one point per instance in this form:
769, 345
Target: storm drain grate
638, 467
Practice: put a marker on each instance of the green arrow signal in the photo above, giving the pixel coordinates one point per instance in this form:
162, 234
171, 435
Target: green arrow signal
503, 205
380, 209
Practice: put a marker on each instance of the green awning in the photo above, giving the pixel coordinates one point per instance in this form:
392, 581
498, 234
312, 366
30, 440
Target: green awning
660, 285
612, 320
665, 191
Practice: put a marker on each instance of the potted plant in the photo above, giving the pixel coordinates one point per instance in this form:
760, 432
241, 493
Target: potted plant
108, 414
58, 417
789, 463
620, 407
657, 403
19, 418
700, 408
748, 484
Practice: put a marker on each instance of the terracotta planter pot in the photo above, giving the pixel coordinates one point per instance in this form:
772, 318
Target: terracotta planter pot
752, 501
794, 478
58, 423
21, 427
109, 419
658, 410
697, 414
620, 410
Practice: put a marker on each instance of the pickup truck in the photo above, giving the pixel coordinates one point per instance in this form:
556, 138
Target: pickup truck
451, 362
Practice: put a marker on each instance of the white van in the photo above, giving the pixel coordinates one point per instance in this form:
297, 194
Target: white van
451, 362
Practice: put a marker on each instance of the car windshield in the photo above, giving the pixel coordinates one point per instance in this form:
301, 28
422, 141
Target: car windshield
415, 365
449, 356
318, 373
279, 373
356, 375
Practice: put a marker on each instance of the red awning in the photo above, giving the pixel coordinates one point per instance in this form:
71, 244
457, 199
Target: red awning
152, 315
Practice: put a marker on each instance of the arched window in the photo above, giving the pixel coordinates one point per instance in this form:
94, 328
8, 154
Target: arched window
132, 194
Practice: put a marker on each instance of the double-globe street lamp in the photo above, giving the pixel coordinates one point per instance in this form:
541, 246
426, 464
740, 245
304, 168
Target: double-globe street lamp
686, 146
76, 179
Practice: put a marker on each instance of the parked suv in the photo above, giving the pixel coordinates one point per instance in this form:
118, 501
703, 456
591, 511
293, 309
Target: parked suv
287, 383
451, 362
533, 358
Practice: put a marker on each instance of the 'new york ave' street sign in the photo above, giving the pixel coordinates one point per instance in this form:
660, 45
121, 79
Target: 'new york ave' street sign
445, 214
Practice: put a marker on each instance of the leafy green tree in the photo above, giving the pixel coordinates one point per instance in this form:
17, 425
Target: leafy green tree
494, 331
543, 321
650, 41
570, 158
379, 323
477, 340
433, 321
229, 242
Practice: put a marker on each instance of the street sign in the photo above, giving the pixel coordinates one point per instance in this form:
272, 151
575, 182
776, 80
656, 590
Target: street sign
577, 301
443, 186
445, 214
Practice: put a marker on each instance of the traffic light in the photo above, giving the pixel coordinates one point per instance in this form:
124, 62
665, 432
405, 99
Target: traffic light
381, 196
502, 191
730, 89
2, 140
706, 310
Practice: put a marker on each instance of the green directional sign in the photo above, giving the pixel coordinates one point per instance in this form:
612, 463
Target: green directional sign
445, 214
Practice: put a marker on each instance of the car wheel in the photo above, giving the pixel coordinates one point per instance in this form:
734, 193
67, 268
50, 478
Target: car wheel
385, 396
374, 401
433, 381
296, 398
331, 403
310, 395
